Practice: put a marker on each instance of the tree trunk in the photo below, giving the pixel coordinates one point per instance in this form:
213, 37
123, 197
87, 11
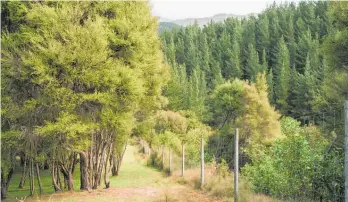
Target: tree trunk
46, 165
23, 158
114, 171
84, 176
38, 178
24, 174
31, 177
54, 178
107, 168
5, 183
65, 181
99, 156
119, 159
58, 178
70, 181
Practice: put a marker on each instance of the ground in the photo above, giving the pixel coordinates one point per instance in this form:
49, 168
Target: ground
136, 182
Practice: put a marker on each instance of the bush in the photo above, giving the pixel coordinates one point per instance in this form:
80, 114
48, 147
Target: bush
155, 160
221, 184
297, 166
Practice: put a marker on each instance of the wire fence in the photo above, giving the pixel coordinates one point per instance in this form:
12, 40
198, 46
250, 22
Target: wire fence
302, 172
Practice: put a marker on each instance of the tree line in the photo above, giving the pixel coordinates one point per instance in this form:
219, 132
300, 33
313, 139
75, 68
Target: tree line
299, 50
283, 42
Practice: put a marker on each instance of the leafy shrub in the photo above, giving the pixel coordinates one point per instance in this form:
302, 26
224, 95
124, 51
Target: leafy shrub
298, 165
154, 160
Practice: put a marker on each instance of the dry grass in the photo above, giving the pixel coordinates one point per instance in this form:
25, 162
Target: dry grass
219, 187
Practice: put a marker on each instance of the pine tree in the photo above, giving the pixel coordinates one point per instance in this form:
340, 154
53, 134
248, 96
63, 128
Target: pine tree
253, 66
248, 38
290, 40
197, 92
262, 34
264, 63
180, 51
306, 45
270, 85
274, 37
217, 78
303, 93
191, 53
171, 51
282, 77
233, 62
176, 90
225, 54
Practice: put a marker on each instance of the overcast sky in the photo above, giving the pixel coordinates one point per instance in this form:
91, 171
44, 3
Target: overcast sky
179, 9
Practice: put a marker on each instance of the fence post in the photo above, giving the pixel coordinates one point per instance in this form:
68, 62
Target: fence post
170, 160
236, 166
162, 156
202, 162
346, 150
183, 160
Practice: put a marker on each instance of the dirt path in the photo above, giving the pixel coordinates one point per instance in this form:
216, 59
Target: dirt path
136, 182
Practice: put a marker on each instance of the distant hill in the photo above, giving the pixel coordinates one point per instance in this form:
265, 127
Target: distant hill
166, 26
202, 21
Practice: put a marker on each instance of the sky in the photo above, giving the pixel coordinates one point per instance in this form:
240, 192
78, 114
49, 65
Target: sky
179, 9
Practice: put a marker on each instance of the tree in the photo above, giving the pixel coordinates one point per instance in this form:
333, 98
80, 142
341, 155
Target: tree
247, 40
245, 106
262, 34
290, 40
282, 77
90, 79
270, 85
191, 53
306, 45
197, 92
253, 66
304, 88
274, 37
233, 63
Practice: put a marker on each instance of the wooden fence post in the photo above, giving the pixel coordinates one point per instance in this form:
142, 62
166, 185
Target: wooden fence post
170, 160
183, 160
236, 166
202, 163
346, 150
162, 156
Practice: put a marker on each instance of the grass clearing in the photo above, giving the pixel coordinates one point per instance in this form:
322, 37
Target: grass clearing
136, 182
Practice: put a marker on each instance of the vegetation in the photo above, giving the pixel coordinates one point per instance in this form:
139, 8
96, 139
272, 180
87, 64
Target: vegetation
80, 78
299, 52
75, 80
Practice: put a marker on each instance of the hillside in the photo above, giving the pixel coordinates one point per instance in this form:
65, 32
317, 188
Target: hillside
167, 26
202, 21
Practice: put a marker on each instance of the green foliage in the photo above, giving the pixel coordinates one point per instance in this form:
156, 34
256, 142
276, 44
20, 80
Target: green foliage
73, 71
282, 77
294, 167
227, 102
245, 106
223, 170
278, 40
176, 128
253, 66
